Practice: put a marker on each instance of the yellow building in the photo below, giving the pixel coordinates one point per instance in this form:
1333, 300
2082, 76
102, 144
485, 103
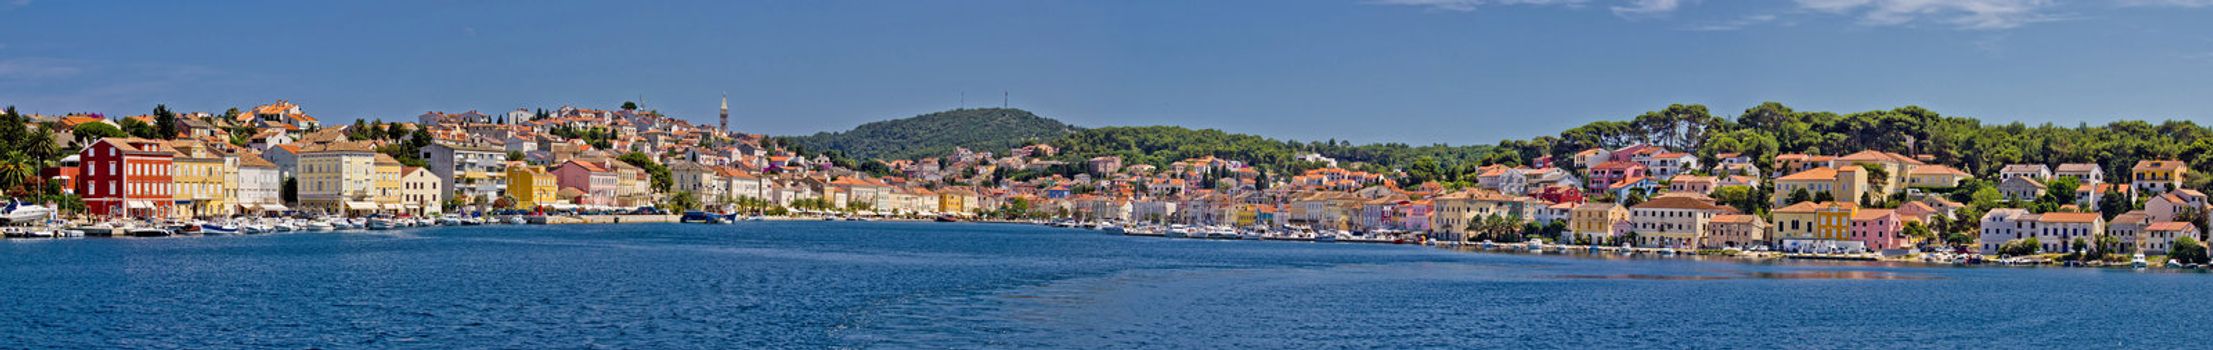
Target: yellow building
1898, 169
202, 188
1596, 219
531, 185
389, 189
1796, 221
1842, 184
1833, 220
338, 177
2153, 177
953, 201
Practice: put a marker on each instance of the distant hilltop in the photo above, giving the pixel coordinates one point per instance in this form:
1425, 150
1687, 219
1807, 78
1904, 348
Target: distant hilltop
937, 134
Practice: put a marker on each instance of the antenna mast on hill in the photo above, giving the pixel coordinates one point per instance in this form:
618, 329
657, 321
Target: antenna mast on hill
1003, 98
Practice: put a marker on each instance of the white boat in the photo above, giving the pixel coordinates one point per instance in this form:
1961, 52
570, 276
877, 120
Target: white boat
253, 229
449, 220
382, 224
2138, 261
1110, 227
148, 231
517, 221
214, 229
319, 226
18, 211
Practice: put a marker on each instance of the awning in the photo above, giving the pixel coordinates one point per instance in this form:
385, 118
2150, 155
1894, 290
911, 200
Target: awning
273, 207
138, 204
361, 206
412, 205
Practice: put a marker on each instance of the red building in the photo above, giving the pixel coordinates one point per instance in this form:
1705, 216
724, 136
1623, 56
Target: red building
1561, 194
127, 177
64, 174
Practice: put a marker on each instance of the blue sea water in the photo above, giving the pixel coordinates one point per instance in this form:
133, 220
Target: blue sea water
770, 285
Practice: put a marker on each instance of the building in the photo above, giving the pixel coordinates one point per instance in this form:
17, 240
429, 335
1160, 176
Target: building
471, 174
2153, 177
1842, 184
699, 180
1935, 176
420, 191
1833, 221
2003, 225
1675, 220
1899, 167
260, 187
598, 183
1879, 229
1604, 175
2032, 171
201, 180
2055, 231
1796, 221
390, 188
1735, 231
1692, 184
2088, 173
531, 186
127, 178
2160, 237
2022, 188
338, 178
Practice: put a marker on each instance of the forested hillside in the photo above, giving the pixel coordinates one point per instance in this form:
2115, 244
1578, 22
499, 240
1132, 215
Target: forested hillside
936, 134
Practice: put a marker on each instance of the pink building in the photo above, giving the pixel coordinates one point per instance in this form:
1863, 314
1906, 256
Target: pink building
1880, 229
1608, 173
597, 183
1414, 215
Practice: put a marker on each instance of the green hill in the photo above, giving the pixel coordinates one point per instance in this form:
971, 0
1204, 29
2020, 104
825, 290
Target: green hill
936, 134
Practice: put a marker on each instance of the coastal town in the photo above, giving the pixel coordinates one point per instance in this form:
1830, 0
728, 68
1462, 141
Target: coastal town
178, 172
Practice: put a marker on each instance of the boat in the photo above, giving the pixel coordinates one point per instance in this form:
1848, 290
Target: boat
2138, 261
1110, 227
755, 217
696, 216
517, 221
381, 224
946, 218
18, 211
214, 229
318, 226
148, 231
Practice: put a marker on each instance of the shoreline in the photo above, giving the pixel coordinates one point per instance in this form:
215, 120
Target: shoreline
1573, 251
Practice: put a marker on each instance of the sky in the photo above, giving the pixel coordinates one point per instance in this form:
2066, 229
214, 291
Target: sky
1411, 71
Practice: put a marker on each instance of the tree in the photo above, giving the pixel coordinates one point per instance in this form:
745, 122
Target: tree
629, 106
2019, 247
514, 156
291, 191
165, 122
139, 129
1800, 195
95, 131
2188, 251
660, 174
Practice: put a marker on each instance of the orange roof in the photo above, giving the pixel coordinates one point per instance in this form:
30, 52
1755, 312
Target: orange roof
2071, 217
2171, 226
1815, 174
2158, 165
1937, 170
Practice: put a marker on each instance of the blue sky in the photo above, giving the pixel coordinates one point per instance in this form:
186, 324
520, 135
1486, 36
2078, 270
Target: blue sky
1416, 71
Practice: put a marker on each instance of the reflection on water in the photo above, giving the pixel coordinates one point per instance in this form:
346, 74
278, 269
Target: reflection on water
1793, 275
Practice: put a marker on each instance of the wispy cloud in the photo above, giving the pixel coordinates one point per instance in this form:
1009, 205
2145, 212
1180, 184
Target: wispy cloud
1637, 8
1966, 14
1471, 5
2169, 3
1735, 24
17, 70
